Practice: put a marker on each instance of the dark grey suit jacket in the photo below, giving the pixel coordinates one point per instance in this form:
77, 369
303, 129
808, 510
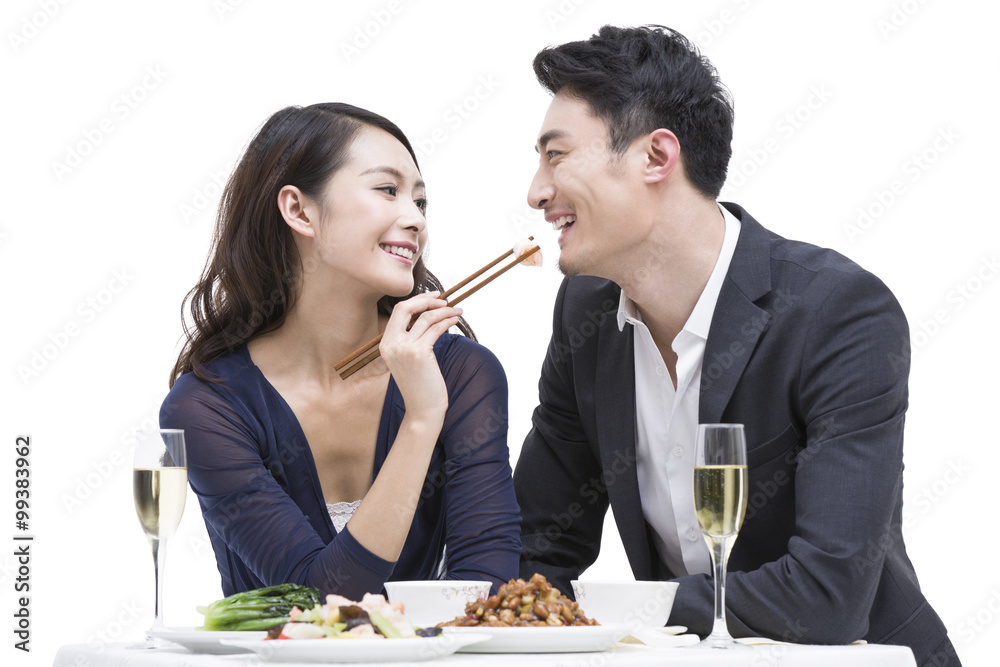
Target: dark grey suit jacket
811, 353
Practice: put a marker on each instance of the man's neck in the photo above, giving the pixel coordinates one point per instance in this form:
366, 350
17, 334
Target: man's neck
666, 281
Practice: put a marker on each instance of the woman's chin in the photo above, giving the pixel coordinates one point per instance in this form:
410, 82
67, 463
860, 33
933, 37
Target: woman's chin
399, 291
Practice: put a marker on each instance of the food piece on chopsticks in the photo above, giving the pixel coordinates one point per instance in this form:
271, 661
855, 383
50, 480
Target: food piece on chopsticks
524, 246
258, 609
371, 618
520, 603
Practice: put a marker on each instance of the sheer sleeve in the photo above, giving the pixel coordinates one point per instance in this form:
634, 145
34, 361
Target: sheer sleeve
482, 517
232, 464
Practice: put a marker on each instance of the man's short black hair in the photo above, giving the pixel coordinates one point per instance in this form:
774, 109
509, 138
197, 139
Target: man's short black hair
641, 79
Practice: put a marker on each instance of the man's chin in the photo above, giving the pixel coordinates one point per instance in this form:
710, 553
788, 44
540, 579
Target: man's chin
567, 270
570, 268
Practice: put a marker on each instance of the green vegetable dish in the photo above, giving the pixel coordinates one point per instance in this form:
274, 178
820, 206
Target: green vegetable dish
259, 609
291, 611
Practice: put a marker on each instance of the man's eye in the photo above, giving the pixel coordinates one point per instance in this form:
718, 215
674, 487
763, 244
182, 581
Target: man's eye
552, 155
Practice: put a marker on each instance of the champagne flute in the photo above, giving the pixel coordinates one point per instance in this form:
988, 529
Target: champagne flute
159, 488
720, 502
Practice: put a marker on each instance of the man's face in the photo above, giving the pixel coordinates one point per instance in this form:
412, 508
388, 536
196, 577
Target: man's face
585, 190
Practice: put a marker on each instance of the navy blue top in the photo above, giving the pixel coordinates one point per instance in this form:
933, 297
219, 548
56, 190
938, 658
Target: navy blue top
260, 495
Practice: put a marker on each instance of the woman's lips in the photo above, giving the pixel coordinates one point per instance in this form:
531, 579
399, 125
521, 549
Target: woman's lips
402, 253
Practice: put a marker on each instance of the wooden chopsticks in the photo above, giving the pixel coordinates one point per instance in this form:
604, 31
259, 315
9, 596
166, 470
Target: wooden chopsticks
368, 352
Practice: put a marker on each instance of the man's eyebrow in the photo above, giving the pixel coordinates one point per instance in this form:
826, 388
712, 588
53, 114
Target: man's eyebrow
547, 137
392, 171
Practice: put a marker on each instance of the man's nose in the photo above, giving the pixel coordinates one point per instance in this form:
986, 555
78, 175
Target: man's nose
541, 190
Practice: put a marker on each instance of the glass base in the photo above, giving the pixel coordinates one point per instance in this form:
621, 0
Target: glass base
720, 641
152, 643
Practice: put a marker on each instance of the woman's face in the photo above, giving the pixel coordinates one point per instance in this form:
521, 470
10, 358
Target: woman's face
373, 226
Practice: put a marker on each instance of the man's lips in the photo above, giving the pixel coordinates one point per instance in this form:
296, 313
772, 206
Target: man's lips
562, 220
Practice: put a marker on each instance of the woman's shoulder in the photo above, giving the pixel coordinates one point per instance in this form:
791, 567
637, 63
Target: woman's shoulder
461, 357
226, 377
455, 347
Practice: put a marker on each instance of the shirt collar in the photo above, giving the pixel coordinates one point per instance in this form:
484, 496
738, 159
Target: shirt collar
700, 320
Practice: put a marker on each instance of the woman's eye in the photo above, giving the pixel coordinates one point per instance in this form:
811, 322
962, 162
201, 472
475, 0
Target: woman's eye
390, 190
421, 204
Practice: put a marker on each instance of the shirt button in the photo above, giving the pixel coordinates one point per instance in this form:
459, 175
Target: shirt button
678, 451
693, 534
661, 371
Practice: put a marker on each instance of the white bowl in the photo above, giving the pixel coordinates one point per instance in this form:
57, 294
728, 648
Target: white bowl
427, 603
631, 603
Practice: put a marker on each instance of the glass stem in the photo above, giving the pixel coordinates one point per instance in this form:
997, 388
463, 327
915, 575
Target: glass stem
158, 558
719, 557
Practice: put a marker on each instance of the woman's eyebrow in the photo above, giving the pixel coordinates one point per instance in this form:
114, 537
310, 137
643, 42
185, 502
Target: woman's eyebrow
392, 171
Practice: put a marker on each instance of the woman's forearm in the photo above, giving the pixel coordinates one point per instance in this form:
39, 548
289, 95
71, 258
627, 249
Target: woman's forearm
382, 521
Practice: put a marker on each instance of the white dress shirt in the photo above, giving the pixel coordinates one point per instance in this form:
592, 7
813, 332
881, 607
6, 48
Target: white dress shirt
667, 421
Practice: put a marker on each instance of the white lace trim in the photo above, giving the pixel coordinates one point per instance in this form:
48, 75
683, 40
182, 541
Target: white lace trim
341, 513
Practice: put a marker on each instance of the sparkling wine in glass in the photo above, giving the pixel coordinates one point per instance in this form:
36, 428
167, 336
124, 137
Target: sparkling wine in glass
720, 502
159, 488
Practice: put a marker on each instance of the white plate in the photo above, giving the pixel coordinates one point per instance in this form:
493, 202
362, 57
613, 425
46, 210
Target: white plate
206, 641
570, 639
358, 650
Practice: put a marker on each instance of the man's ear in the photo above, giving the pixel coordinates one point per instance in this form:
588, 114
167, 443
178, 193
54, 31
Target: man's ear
663, 154
298, 210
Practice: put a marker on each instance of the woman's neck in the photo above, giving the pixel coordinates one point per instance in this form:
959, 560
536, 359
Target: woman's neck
322, 327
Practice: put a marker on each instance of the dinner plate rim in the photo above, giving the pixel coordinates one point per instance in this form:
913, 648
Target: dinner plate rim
555, 639
205, 641
355, 650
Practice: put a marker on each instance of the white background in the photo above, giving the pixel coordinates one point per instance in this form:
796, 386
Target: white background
833, 102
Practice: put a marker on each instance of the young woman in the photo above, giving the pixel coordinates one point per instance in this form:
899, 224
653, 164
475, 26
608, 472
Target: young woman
402, 470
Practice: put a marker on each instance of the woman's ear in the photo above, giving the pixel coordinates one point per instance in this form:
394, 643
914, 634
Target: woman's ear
663, 154
299, 212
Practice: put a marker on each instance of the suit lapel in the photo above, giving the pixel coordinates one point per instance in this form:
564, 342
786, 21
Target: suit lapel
737, 323
615, 418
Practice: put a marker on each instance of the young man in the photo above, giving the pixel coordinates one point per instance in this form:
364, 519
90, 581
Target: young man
677, 311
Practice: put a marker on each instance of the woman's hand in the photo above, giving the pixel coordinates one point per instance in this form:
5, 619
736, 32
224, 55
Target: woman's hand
408, 350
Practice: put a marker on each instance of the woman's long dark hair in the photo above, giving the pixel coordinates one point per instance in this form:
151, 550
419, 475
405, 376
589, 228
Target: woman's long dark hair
253, 267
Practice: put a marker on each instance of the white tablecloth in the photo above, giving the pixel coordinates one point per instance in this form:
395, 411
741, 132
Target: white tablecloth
117, 655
